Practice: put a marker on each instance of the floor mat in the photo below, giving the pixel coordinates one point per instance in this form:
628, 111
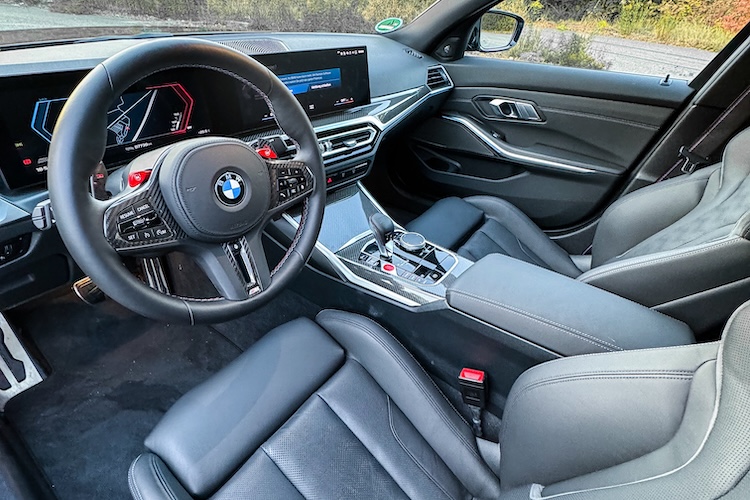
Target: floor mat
113, 376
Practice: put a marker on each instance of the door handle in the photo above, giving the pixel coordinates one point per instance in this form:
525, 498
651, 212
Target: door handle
515, 110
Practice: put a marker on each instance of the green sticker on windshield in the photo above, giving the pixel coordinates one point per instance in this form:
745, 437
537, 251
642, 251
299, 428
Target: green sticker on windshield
389, 24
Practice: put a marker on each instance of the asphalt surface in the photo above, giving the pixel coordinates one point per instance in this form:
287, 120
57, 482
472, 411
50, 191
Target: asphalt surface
629, 56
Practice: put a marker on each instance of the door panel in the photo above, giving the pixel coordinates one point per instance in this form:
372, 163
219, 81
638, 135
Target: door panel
560, 169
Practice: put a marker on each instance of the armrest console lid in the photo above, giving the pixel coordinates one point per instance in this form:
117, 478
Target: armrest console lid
559, 313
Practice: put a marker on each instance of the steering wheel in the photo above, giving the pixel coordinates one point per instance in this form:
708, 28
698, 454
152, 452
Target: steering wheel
209, 197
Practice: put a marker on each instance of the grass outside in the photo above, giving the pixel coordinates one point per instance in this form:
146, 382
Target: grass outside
700, 24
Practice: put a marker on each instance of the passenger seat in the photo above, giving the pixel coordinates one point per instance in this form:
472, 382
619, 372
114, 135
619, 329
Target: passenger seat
680, 246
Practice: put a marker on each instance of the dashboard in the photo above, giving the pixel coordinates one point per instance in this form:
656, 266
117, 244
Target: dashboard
357, 89
173, 105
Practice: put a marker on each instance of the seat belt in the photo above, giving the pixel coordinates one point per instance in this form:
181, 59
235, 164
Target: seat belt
698, 154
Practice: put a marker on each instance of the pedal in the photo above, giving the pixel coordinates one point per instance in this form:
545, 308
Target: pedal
88, 292
17, 371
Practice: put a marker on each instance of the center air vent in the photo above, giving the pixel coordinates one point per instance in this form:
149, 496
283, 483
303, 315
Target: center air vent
437, 78
340, 144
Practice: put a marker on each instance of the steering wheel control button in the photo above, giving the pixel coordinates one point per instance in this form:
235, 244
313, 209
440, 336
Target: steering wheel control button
230, 188
139, 222
137, 178
126, 214
162, 232
291, 183
142, 208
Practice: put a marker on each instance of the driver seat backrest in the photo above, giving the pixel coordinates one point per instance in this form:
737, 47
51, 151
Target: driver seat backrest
718, 468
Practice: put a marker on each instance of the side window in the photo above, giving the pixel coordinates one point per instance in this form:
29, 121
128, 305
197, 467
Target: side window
650, 37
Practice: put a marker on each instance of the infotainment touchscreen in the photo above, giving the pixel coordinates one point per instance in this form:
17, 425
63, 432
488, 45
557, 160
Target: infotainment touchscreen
173, 105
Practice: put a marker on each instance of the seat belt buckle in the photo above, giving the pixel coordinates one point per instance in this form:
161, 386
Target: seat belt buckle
473, 385
692, 160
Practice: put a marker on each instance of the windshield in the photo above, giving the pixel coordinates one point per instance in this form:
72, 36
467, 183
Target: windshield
35, 21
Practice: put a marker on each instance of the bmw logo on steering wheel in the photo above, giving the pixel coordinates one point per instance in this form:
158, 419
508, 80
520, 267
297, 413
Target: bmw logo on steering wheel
230, 188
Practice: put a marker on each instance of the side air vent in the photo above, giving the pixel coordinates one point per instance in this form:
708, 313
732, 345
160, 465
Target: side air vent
341, 144
413, 53
437, 78
252, 46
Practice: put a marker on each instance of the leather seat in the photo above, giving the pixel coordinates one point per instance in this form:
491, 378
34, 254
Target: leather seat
680, 245
337, 408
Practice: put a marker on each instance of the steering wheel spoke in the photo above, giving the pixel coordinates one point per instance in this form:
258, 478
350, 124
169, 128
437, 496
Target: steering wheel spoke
238, 269
291, 182
138, 222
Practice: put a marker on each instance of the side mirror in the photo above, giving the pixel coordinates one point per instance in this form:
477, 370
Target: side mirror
496, 31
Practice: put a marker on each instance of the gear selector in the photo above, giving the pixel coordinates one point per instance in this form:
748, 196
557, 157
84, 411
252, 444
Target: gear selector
382, 228
404, 254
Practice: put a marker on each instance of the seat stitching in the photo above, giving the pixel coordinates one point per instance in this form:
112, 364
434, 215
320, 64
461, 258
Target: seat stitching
320, 396
535, 368
621, 267
537, 260
131, 480
161, 479
265, 452
410, 454
418, 383
598, 374
546, 322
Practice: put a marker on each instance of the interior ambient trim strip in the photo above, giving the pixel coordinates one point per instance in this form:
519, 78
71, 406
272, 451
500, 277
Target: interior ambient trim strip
511, 155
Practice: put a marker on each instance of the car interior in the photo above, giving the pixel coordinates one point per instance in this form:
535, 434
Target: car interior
330, 265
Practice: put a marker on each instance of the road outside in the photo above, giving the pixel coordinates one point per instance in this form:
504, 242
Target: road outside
634, 56
629, 56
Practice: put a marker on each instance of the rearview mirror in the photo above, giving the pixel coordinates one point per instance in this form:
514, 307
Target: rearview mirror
496, 30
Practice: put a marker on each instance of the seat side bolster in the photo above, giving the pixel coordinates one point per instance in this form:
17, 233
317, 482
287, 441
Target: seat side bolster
645, 212
150, 479
574, 416
416, 395
527, 232
661, 278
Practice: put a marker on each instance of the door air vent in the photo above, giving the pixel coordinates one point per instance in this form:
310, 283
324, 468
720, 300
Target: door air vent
437, 78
